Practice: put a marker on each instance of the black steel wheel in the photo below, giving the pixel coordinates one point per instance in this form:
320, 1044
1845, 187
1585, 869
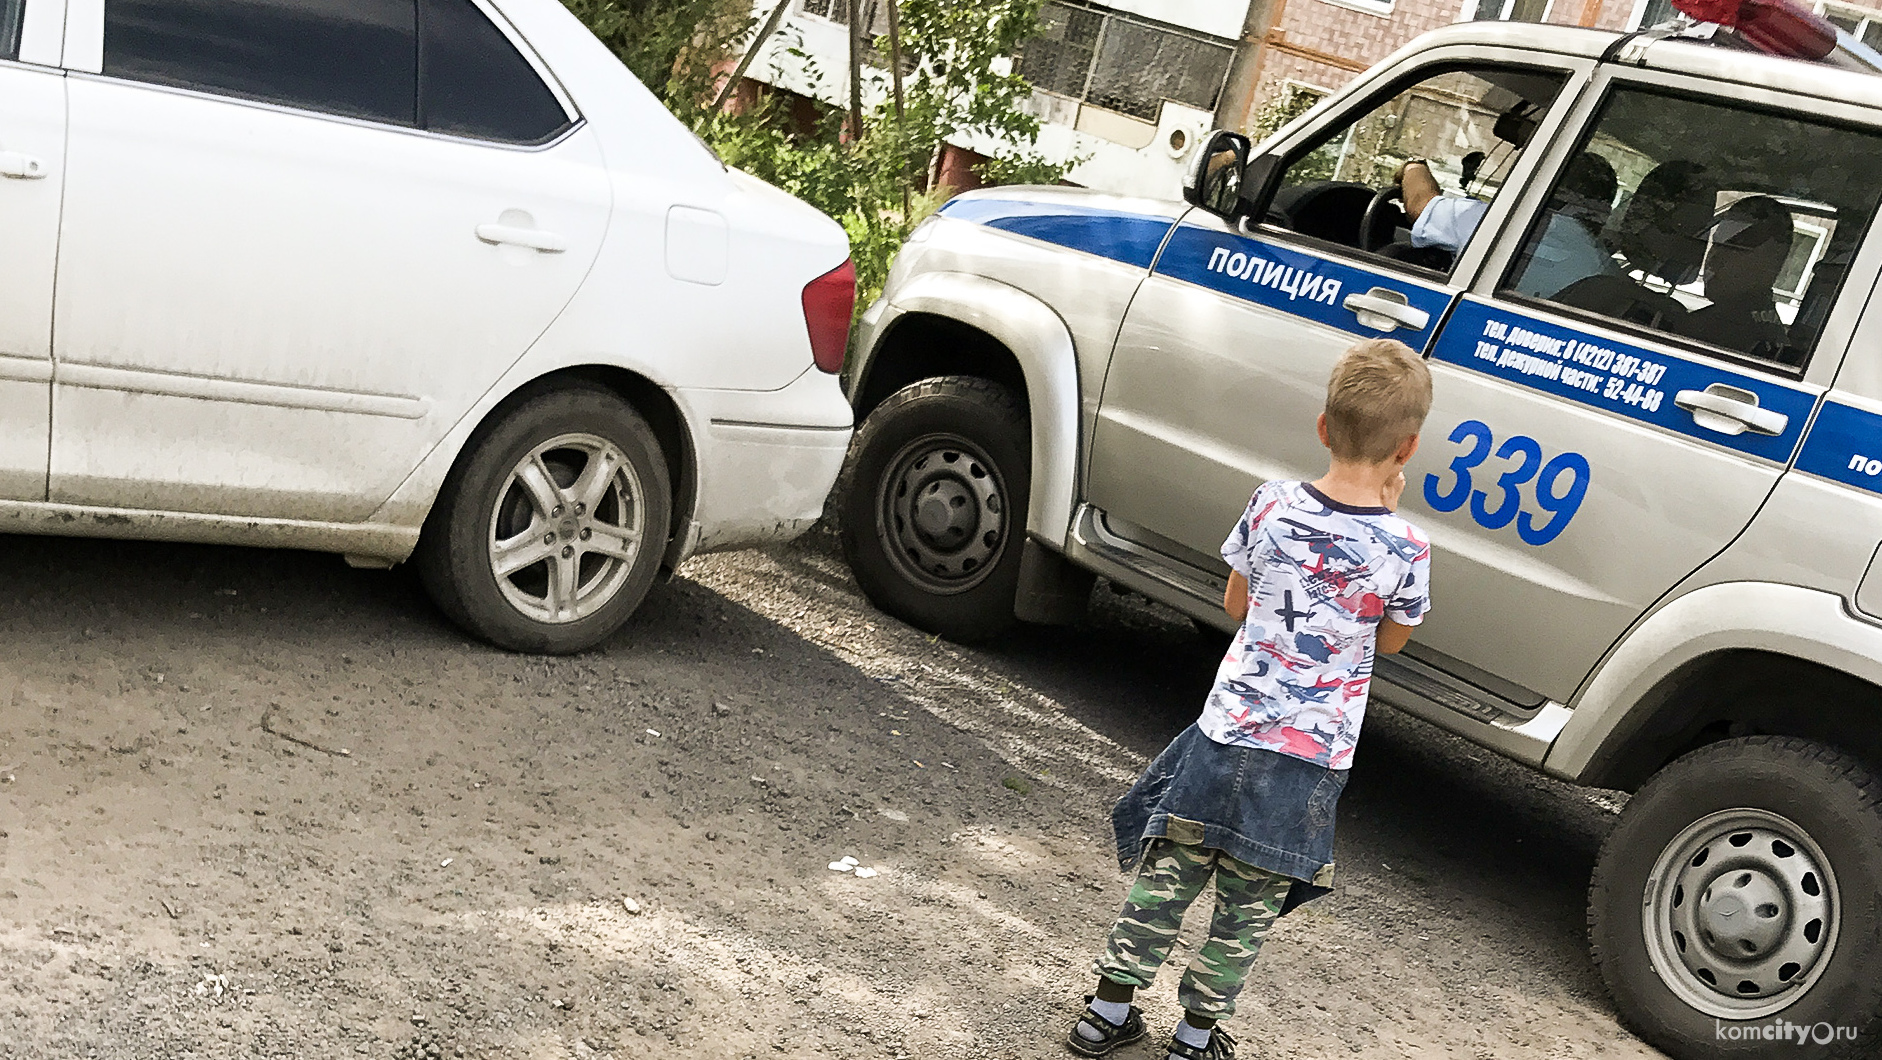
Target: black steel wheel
1739, 901
932, 505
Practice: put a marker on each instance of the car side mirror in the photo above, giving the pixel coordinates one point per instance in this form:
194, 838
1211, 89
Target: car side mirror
1214, 180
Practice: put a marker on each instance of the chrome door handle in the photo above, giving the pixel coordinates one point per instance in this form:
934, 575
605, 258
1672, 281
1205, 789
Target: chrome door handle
21, 167
1383, 309
1730, 410
533, 238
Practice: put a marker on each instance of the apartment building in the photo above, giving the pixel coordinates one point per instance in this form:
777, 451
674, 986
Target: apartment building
1129, 86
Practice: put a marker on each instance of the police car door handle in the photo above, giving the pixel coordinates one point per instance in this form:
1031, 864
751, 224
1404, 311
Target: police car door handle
1730, 410
1383, 309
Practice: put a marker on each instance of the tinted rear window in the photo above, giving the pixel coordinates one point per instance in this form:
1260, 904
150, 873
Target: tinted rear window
477, 84
357, 58
11, 11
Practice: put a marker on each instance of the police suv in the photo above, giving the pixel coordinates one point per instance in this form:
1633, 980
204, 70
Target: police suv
1652, 474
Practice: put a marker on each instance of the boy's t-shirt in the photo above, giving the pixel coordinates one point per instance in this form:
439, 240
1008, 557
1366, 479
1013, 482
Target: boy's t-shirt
1321, 575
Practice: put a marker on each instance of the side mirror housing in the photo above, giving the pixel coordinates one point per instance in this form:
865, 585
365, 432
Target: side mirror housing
1214, 180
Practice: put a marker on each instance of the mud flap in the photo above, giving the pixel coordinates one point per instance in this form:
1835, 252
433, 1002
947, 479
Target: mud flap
1053, 591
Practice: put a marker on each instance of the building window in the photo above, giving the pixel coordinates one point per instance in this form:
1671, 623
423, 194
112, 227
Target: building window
1860, 22
1652, 12
875, 17
1510, 10
1122, 63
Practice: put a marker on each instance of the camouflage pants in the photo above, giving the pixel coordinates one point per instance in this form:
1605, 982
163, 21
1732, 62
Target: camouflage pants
1247, 900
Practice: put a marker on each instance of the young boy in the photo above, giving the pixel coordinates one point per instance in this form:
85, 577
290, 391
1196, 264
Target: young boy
1323, 575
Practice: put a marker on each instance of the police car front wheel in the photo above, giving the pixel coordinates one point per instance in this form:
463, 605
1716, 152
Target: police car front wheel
1734, 906
932, 505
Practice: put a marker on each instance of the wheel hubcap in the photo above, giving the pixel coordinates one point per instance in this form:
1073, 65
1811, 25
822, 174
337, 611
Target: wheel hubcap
1741, 914
942, 513
567, 528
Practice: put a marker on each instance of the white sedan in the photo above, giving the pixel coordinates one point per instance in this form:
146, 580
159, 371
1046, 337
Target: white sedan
400, 279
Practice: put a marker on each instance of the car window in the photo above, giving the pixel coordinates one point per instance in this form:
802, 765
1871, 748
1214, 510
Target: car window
11, 12
1467, 125
357, 58
477, 84
1736, 241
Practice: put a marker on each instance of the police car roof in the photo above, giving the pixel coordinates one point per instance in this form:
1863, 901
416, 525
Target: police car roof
1778, 75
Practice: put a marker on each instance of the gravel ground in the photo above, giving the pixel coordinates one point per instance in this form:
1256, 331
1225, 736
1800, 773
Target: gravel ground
258, 804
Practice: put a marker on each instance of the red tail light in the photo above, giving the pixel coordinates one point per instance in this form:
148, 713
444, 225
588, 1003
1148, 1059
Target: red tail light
829, 300
1775, 27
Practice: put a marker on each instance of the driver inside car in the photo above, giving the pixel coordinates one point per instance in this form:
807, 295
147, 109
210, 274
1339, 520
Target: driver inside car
1569, 249
1437, 220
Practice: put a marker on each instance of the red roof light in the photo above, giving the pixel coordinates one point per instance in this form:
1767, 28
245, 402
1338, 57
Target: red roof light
1775, 27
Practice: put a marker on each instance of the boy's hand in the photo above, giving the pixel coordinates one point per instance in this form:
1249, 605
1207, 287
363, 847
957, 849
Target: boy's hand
1394, 489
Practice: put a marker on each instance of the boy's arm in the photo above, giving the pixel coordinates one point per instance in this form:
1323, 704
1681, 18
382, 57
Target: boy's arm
1235, 600
1393, 636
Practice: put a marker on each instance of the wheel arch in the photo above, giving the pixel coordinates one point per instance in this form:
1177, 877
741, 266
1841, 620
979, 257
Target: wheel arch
947, 323
644, 395
1737, 659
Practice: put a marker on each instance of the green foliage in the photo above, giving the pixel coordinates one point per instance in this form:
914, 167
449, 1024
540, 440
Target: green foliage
671, 45
1290, 102
880, 184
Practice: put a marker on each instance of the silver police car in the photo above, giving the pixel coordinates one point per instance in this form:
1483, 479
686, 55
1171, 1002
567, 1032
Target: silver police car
1641, 269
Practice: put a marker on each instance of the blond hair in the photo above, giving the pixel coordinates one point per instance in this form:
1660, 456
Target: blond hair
1378, 396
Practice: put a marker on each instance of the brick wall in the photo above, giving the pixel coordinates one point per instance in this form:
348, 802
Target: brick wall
1325, 44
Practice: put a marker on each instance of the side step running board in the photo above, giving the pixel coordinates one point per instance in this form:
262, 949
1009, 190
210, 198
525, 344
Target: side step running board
1198, 593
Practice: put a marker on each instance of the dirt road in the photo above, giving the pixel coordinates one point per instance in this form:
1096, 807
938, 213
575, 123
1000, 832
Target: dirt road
258, 804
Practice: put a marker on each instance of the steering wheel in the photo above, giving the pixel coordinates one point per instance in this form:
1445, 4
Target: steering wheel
1389, 198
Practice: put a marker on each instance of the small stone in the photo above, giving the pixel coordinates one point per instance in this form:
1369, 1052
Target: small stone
864, 872
838, 866
632, 907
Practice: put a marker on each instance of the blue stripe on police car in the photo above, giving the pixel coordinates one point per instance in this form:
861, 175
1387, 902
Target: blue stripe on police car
1845, 445
1126, 237
1594, 370
1303, 284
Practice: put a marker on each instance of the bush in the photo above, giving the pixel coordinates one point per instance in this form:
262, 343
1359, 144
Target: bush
878, 184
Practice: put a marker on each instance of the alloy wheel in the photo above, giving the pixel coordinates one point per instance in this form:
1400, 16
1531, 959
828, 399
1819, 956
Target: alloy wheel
566, 528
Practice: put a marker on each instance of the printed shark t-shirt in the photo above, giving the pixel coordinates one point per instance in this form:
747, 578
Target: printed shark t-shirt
1321, 575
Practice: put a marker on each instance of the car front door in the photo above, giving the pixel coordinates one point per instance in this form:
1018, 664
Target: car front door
1606, 422
1221, 365
294, 253
32, 170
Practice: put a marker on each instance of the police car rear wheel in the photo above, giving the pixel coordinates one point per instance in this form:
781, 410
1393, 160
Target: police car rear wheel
932, 505
1737, 902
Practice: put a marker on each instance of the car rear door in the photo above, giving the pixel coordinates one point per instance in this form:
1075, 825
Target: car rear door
298, 245
1221, 364
32, 176
1595, 441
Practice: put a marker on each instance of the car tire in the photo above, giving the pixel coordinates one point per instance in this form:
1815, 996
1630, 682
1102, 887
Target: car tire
582, 474
931, 505
1701, 907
